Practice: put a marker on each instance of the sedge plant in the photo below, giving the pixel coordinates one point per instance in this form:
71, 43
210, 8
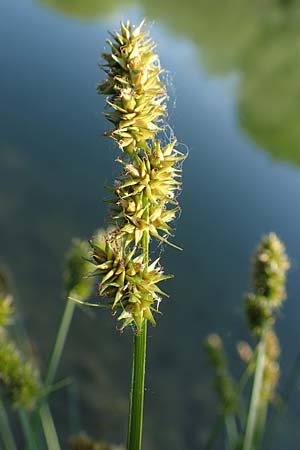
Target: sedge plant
245, 425
143, 197
19, 378
143, 205
22, 385
78, 287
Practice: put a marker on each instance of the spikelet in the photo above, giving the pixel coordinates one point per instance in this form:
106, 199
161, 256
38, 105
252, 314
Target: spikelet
272, 345
270, 264
271, 369
271, 373
259, 312
129, 284
245, 352
225, 385
145, 194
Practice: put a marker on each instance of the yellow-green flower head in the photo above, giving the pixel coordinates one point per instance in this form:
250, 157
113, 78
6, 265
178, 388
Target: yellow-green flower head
135, 92
272, 345
245, 352
270, 264
142, 221
271, 372
247, 356
18, 377
259, 313
153, 173
225, 385
214, 347
78, 283
271, 376
144, 202
126, 280
147, 187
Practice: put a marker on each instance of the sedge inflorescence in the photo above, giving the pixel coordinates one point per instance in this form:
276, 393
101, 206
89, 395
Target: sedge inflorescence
144, 196
19, 379
271, 372
269, 268
270, 265
136, 94
271, 368
224, 383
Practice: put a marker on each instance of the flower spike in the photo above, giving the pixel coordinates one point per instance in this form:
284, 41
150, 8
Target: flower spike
144, 196
270, 265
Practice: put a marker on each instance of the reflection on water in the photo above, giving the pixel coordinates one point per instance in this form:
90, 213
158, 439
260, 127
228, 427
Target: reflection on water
259, 41
54, 163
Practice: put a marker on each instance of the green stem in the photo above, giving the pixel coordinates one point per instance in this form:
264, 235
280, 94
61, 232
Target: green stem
261, 425
136, 408
232, 432
242, 416
27, 430
30, 431
44, 410
59, 342
255, 396
49, 427
5, 430
135, 426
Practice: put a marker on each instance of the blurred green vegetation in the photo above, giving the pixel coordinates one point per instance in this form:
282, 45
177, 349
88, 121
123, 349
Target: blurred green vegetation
85, 9
258, 40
